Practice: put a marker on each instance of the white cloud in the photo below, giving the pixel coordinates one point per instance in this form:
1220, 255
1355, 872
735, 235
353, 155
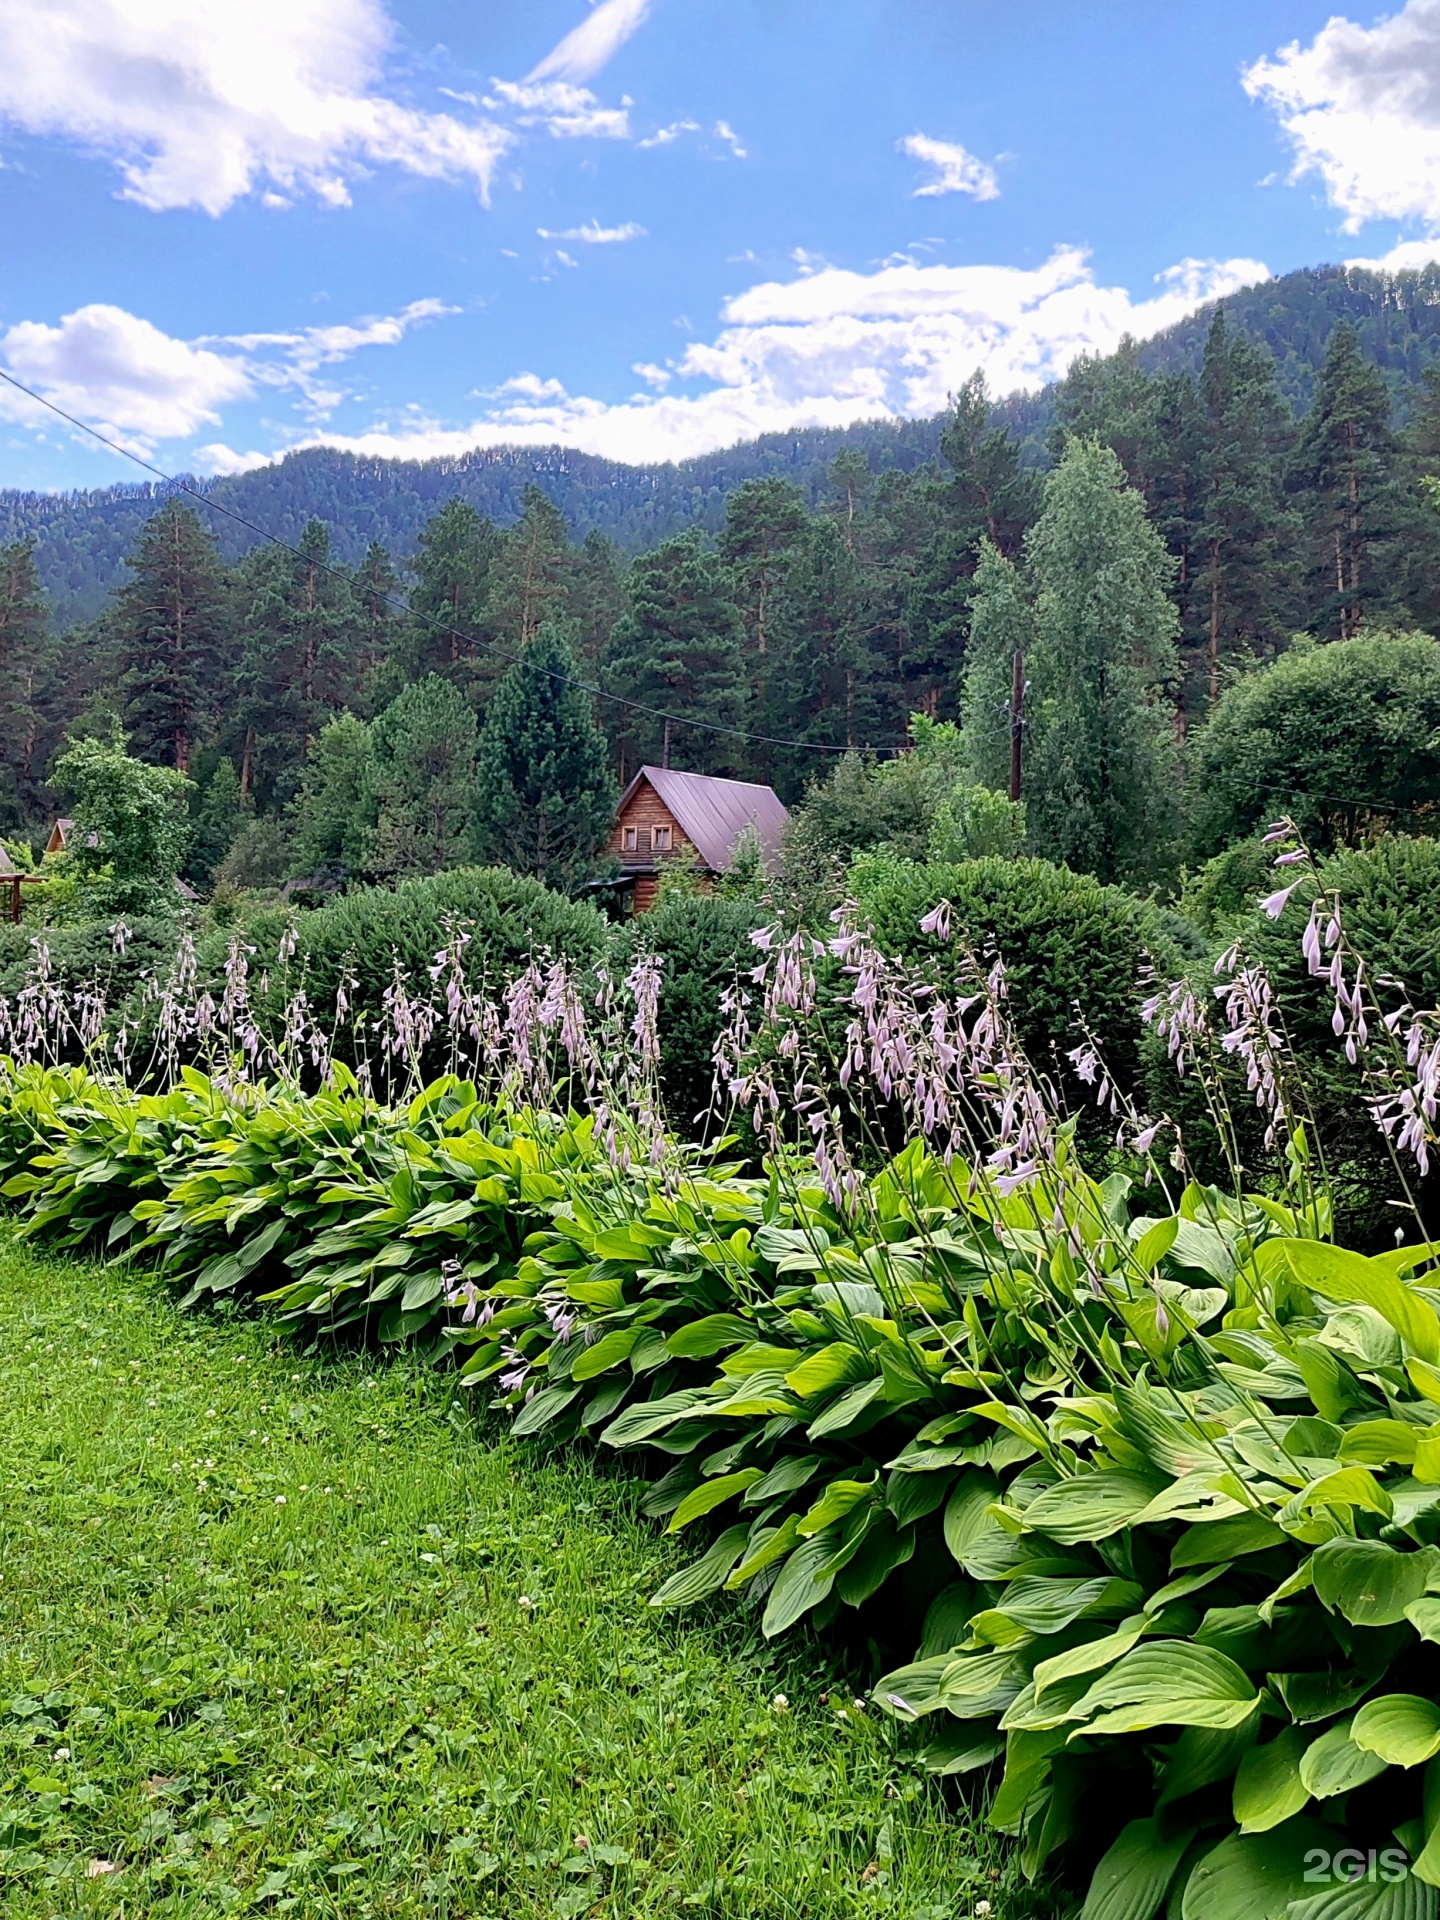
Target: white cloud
1407, 256
1362, 109
666, 136
724, 131
123, 375
832, 347
594, 43
199, 102
956, 169
565, 111
594, 235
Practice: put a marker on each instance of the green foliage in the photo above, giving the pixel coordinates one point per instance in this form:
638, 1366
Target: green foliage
363, 937
1073, 949
1100, 782
544, 796
334, 813
1228, 886
298, 1631
1343, 738
703, 943
218, 814
677, 649
174, 628
131, 827
422, 759
975, 823
1390, 898
1148, 1518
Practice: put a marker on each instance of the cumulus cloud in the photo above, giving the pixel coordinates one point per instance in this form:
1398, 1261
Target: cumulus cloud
724, 131
125, 376
198, 102
831, 347
956, 169
1361, 106
1407, 256
595, 42
594, 235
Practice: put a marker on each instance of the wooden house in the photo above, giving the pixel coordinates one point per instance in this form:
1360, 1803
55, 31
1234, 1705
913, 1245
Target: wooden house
14, 878
663, 813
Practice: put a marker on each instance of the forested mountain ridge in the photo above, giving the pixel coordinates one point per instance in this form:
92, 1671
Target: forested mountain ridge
81, 538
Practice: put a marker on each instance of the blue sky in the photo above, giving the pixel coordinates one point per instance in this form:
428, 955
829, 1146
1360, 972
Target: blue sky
649, 228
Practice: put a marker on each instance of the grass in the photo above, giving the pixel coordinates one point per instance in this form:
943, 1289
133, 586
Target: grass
279, 1636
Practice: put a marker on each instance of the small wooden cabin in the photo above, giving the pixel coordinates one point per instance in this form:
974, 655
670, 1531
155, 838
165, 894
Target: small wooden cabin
663, 812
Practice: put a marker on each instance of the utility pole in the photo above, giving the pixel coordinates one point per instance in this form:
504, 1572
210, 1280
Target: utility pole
665, 756
1017, 723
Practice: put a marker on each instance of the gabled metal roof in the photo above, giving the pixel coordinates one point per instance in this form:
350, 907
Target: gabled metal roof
714, 813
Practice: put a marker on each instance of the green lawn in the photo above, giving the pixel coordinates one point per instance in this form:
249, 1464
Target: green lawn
278, 1636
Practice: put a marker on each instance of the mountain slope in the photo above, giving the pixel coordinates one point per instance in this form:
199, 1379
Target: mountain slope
82, 538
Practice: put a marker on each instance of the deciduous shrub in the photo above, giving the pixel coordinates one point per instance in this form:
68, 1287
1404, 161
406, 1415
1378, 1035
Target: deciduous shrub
1074, 950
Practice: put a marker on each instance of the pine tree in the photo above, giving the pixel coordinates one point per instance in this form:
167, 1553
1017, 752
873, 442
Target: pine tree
1345, 469
1246, 529
597, 597
677, 649
544, 795
301, 638
532, 573
766, 525
173, 626
377, 616
821, 688
449, 619
1099, 765
423, 766
24, 645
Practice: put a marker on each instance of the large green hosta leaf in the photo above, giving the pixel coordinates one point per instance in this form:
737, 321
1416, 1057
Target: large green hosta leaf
1370, 1582
1135, 1875
1256, 1876
1168, 1683
1091, 1506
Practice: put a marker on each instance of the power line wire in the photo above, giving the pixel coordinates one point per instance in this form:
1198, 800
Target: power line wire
437, 626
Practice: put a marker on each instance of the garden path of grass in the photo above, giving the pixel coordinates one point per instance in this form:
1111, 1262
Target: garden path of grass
277, 1637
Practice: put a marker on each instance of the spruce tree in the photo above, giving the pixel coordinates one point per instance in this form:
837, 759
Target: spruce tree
173, 625
544, 795
1344, 467
677, 648
422, 769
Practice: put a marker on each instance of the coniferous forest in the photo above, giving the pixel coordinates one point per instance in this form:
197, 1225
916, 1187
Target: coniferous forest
1147, 533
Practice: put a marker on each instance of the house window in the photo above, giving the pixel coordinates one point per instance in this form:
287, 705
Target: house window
660, 839
632, 839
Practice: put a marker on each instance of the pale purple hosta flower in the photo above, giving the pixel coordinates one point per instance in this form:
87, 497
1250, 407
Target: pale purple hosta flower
1145, 1139
937, 921
559, 1316
1253, 1035
1282, 830
120, 936
517, 1368
289, 941
1179, 1018
1294, 859
1275, 904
